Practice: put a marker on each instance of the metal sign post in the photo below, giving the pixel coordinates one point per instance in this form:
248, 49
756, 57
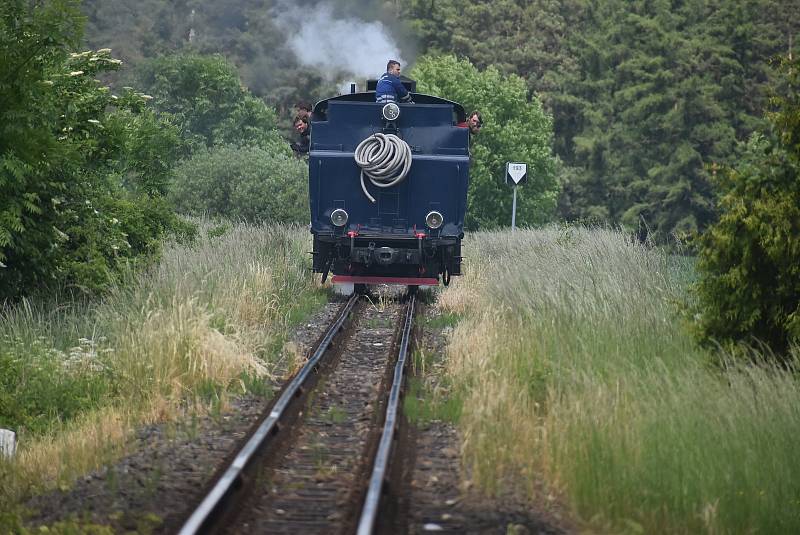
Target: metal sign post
514, 211
516, 174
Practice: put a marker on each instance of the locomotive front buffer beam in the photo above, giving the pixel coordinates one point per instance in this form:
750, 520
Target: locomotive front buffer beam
387, 257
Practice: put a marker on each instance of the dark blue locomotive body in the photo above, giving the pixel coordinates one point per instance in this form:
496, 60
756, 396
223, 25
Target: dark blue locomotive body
411, 233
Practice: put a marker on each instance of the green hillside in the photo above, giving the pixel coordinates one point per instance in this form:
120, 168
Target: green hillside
644, 95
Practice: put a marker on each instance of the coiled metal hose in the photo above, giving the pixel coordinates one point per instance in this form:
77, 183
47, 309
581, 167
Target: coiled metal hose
383, 158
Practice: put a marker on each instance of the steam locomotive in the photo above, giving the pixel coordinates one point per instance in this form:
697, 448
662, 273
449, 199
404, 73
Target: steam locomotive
388, 188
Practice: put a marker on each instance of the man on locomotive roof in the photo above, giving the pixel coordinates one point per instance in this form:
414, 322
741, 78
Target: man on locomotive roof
389, 87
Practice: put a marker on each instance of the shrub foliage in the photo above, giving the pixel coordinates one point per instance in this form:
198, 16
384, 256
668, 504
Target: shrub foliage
750, 259
82, 171
249, 183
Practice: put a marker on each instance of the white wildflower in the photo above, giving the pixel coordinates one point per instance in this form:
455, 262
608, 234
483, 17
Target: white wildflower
104, 51
61, 235
147, 97
76, 73
93, 121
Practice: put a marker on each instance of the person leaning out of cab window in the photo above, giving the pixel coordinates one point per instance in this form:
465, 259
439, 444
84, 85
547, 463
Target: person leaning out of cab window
302, 128
474, 122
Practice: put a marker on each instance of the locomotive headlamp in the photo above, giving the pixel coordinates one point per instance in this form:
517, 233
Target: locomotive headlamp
391, 111
339, 217
434, 219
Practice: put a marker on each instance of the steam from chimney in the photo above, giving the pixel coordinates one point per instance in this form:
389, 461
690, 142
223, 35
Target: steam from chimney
335, 45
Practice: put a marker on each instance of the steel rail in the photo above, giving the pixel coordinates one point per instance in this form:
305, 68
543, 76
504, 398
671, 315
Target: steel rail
369, 511
203, 513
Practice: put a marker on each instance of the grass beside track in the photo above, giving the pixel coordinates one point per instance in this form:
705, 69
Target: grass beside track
576, 369
209, 321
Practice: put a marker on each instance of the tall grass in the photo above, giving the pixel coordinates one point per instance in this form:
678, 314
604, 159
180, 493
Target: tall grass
207, 321
576, 369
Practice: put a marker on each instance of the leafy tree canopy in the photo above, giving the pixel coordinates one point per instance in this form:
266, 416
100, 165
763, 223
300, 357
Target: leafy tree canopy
81, 170
749, 260
516, 129
206, 96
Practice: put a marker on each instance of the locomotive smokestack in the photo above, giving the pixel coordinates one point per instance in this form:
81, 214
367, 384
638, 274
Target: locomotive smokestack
352, 88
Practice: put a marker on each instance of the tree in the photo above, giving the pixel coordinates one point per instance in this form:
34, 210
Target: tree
81, 170
516, 129
749, 260
651, 119
206, 96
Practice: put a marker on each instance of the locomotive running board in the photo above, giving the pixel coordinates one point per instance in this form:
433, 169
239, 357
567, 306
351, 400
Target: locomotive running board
406, 281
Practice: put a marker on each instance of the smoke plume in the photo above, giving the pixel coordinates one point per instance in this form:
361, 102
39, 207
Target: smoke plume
337, 45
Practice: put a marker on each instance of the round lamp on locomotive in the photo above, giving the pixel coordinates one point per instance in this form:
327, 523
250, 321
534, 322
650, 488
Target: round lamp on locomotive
434, 220
339, 217
391, 111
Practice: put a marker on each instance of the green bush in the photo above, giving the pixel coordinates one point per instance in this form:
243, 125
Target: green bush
82, 171
248, 183
749, 261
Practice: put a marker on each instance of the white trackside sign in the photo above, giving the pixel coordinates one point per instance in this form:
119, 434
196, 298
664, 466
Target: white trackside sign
516, 173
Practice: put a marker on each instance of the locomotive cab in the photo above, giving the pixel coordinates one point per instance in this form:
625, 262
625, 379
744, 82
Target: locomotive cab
402, 231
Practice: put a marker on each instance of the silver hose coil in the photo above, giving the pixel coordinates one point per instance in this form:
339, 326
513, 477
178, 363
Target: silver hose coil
383, 158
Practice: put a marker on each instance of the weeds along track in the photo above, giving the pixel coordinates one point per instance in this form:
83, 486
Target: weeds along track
319, 459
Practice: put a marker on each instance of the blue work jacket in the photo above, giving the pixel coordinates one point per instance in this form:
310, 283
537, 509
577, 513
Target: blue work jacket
391, 89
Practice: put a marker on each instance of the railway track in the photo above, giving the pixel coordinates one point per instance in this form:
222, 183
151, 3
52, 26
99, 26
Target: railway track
319, 460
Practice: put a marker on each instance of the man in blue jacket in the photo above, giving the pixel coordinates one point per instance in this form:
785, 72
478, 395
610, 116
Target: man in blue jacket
389, 87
